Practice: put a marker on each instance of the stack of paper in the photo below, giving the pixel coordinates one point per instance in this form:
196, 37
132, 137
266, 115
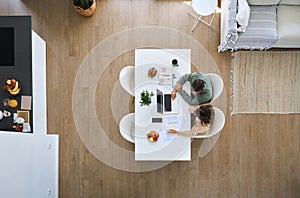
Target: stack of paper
172, 121
165, 80
166, 71
166, 76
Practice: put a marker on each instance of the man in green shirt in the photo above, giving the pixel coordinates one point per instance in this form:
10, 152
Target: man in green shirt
201, 89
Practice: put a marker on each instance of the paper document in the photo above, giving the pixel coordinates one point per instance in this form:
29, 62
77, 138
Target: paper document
165, 136
166, 71
166, 76
172, 121
165, 80
26, 102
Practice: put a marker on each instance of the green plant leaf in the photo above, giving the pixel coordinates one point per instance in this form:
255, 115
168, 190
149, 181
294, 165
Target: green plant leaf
146, 97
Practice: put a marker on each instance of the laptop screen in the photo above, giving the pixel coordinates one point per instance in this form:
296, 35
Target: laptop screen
168, 102
159, 99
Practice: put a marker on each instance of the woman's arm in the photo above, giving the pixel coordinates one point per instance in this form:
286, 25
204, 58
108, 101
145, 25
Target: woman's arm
197, 129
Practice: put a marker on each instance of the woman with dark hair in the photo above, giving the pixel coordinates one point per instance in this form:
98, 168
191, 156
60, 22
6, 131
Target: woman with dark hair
204, 116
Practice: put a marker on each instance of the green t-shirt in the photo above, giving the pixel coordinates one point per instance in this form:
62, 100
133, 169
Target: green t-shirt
204, 96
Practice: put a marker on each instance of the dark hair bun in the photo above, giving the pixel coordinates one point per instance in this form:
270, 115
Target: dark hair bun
204, 113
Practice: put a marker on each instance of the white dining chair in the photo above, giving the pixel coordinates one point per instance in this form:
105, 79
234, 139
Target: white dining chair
217, 85
216, 126
203, 8
126, 127
126, 78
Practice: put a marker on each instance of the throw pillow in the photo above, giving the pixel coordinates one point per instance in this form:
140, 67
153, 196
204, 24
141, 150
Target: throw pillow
263, 2
290, 2
243, 14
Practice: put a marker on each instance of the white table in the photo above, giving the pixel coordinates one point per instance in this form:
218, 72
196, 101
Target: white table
203, 8
168, 147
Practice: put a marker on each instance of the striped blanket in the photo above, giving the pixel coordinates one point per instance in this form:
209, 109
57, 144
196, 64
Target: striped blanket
261, 32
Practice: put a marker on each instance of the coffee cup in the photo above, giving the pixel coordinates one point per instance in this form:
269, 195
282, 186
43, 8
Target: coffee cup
175, 63
20, 122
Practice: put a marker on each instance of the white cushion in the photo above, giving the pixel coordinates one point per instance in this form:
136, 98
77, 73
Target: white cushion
263, 2
243, 14
290, 2
288, 26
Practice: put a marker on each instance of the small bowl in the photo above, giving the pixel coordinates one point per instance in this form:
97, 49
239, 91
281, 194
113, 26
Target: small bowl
153, 136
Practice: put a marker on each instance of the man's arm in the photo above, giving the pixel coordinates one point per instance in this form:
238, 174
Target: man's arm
195, 100
183, 79
192, 101
178, 85
204, 97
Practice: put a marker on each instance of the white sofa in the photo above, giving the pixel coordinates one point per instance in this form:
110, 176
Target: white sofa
284, 29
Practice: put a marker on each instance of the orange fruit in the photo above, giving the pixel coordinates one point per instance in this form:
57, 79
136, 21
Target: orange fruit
12, 103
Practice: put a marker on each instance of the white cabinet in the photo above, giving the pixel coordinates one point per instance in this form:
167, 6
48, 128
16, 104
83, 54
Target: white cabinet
29, 165
29, 161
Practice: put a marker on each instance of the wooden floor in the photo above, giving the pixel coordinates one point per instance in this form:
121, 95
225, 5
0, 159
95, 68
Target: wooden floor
255, 156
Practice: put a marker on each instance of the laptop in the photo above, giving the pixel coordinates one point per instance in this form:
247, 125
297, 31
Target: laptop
165, 104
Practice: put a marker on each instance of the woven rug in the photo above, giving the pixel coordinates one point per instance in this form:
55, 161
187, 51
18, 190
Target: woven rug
265, 82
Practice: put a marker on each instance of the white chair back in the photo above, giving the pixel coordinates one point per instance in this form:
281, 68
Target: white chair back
216, 126
127, 127
126, 78
217, 85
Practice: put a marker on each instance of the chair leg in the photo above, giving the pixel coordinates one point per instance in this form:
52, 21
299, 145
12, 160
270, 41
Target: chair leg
131, 104
198, 18
212, 18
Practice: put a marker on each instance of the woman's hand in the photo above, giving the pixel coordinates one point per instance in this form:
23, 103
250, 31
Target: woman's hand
173, 131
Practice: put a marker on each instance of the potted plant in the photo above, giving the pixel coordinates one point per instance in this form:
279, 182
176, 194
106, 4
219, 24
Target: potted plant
85, 7
146, 98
